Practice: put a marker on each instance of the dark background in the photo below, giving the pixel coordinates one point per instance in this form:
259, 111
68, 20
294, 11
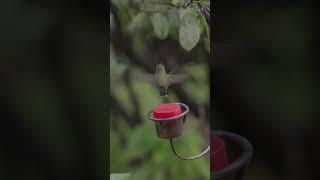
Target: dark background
53, 60
265, 84
53, 89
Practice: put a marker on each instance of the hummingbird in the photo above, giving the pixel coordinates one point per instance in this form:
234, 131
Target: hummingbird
164, 80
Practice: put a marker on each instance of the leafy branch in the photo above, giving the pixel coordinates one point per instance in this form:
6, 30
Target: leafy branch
192, 12
187, 4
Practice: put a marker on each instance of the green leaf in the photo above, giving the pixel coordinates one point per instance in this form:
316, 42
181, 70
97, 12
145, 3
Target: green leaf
137, 22
183, 12
160, 25
174, 23
189, 32
174, 19
138, 143
178, 2
120, 3
156, 6
122, 176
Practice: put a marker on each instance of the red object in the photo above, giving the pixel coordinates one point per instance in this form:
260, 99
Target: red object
166, 110
218, 155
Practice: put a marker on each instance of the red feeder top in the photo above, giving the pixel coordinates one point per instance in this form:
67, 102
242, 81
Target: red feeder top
166, 110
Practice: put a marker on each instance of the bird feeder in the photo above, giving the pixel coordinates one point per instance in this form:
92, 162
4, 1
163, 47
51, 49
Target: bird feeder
169, 119
218, 153
230, 154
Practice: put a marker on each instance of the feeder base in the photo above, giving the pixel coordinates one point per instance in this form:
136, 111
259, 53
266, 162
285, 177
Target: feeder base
169, 130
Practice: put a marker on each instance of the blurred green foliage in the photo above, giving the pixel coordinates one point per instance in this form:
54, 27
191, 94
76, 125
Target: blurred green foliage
123, 176
134, 145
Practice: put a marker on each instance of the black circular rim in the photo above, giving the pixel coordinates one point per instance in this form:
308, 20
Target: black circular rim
238, 163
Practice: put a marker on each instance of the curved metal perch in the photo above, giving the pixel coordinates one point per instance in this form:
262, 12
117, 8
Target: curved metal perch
188, 158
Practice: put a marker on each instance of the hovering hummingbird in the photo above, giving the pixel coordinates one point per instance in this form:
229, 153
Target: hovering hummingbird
164, 80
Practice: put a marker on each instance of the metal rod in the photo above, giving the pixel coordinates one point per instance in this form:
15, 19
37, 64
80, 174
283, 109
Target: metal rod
188, 158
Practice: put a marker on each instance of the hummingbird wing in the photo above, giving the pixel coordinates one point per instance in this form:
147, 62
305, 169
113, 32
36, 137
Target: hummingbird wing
175, 79
148, 77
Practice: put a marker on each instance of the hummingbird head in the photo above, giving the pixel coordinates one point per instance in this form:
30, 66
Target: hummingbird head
160, 67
